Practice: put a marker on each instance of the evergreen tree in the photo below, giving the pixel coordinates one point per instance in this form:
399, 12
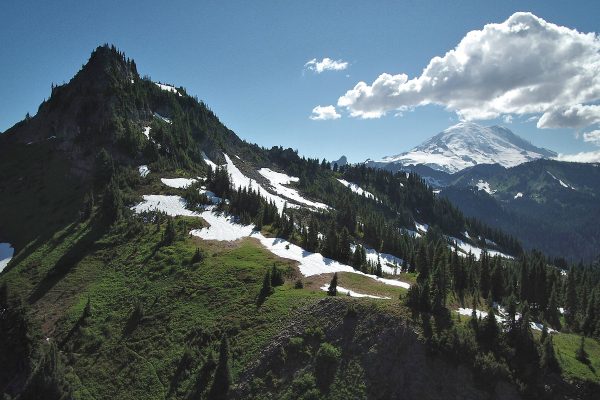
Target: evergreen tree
422, 264
112, 202
197, 257
571, 298
170, 233
276, 277
332, 290
378, 267
580, 354
548, 360
266, 289
551, 314
489, 332
219, 389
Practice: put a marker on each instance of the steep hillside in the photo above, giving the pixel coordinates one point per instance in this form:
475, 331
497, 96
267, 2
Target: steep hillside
549, 205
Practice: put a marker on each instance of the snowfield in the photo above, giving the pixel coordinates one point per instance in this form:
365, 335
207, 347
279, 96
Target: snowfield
357, 189
168, 88
222, 228
278, 180
178, 183
6, 254
351, 293
467, 144
143, 170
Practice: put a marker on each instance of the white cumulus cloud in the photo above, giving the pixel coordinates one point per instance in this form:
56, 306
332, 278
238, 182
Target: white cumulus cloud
592, 137
326, 64
523, 65
583, 157
575, 116
321, 113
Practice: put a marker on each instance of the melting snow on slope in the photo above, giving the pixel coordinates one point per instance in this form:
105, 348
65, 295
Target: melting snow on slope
167, 120
518, 195
239, 180
501, 317
561, 182
357, 189
222, 228
352, 293
147, 132
211, 195
171, 205
6, 254
143, 170
278, 180
483, 185
225, 228
422, 228
390, 264
476, 251
178, 183
314, 263
168, 88
208, 161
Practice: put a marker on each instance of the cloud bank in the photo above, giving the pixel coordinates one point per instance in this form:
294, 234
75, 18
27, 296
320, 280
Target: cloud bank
521, 66
326, 64
583, 157
321, 113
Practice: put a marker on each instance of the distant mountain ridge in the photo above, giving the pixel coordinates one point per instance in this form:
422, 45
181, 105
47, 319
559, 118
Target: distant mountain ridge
465, 145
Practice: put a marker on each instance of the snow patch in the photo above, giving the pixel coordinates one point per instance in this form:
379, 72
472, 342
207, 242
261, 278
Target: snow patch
357, 189
146, 132
143, 170
168, 88
476, 251
167, 120
278, 180
422, 228
501, 317
483, 185
518, 195
222, 228
561, 182
208, 161
171, 205
351, 293
6, 254
178, 183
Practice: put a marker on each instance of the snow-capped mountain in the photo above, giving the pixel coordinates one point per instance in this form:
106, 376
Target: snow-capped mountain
467, 144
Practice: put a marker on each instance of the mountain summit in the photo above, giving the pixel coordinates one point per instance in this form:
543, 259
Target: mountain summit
467, 144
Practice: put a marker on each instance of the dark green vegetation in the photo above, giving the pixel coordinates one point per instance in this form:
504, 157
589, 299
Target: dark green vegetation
102, 303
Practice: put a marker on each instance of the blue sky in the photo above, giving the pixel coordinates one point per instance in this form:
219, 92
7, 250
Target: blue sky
246, 60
